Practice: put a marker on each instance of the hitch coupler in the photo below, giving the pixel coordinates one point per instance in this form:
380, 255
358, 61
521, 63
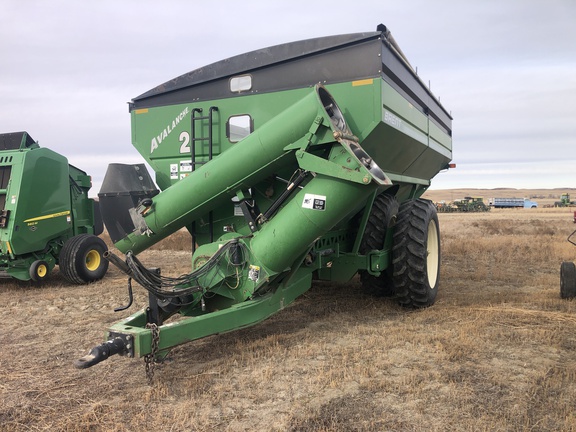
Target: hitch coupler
102, 352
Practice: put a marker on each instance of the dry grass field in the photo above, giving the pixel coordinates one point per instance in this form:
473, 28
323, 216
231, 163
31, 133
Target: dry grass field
497, 352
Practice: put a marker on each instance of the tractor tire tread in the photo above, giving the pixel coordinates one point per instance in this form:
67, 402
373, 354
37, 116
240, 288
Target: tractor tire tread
409, 254
567, 280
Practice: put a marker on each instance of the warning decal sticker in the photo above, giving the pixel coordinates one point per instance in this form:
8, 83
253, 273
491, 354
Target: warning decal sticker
185, 166
314, 202
174, 171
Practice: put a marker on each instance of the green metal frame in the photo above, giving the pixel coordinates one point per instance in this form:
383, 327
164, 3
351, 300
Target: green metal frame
190, 328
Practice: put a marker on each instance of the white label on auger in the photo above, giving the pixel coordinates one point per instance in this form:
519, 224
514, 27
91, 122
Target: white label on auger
314, 202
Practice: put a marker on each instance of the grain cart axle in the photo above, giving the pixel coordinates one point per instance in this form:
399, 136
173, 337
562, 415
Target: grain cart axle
46, 217
279, 181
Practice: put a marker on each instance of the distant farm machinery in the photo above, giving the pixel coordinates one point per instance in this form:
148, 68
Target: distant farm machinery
565, 201
466, 204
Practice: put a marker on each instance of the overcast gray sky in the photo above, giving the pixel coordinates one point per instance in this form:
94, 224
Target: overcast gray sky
506, 69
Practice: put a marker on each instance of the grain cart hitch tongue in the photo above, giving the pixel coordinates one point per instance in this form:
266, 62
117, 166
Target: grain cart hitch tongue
278, 184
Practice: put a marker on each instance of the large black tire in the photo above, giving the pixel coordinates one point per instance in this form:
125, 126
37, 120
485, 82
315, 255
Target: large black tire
567, 280
82, 259
382, 215
39, 271
416, 254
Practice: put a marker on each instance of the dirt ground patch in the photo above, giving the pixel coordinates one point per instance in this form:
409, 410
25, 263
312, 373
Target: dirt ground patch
496, 352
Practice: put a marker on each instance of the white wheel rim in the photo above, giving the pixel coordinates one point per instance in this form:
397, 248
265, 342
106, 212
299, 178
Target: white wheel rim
432, 254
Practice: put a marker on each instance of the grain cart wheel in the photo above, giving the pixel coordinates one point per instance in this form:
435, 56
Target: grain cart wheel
82, 259
567, 280
382, 215
39, 270
416, 254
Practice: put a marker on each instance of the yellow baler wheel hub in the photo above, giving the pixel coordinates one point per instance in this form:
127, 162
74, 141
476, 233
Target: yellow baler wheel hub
42, 271
93, 260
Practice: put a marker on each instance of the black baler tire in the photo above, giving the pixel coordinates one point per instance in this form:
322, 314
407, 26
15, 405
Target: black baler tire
67, 262
39, 271
567, 280
382, 215
416, 264
74, 255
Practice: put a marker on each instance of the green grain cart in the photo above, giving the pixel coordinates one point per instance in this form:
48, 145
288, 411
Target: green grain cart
46, 217
288, 164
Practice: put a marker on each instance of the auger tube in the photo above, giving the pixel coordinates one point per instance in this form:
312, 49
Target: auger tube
250, 160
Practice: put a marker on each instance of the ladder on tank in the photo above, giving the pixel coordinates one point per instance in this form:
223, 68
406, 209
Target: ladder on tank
198, 117
197, 120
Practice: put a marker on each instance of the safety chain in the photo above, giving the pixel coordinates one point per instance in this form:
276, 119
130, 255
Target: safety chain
150, 359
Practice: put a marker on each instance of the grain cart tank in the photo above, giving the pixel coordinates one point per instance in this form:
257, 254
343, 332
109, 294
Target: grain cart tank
46, 217
296, 162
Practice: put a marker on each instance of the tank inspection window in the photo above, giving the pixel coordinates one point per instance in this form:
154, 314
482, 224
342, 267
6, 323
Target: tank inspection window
241, 83
239, 127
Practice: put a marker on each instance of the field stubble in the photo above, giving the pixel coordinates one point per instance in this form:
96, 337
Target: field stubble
496, 352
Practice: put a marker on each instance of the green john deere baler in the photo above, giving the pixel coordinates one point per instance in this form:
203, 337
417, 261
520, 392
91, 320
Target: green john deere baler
46, 217
288, 164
